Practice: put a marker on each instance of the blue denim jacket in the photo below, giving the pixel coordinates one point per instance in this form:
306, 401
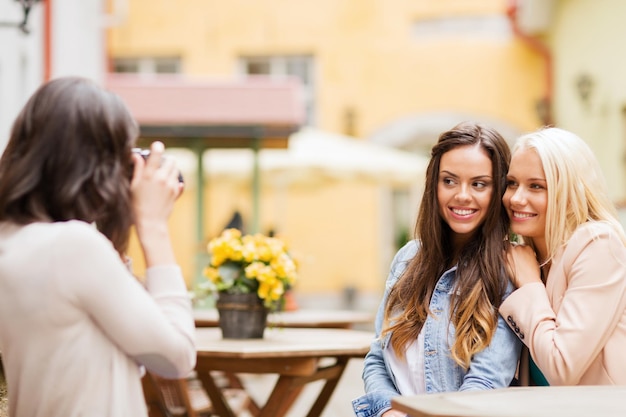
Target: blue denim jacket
494, 367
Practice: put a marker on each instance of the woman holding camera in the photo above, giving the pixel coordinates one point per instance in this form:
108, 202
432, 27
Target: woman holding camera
77, 328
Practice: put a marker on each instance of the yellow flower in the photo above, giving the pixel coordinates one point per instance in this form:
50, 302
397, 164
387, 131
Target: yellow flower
254, 269
277, 247
251, 263
283, 265
225, 249
211, 274
271, 292
231, 234
248, 251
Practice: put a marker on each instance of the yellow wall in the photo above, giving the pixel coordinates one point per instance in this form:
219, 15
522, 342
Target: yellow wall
366, 59
335, 247
366, 56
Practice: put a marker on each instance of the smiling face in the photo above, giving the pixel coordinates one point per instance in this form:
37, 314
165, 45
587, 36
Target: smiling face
526, 196
464, 190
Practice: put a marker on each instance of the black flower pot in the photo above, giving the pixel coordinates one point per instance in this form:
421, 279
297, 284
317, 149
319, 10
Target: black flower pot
241, 316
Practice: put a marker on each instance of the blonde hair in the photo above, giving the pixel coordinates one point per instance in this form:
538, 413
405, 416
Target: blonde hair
577, 191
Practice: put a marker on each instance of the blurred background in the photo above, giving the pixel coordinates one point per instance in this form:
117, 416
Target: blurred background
313, 120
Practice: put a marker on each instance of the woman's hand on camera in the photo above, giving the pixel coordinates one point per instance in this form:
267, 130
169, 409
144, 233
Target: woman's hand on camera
155, 188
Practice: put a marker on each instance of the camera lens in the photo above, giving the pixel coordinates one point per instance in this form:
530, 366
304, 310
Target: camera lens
145, 153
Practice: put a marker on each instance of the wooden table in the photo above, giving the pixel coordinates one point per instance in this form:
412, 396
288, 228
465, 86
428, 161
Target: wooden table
577, 401
303, 318
298, 356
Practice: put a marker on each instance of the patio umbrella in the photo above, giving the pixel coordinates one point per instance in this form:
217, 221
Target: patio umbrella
315, 156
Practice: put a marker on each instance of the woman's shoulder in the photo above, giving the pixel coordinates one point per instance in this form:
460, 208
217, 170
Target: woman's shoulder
43, 231
71, 229
408, 251
593, 230
401, 260
61, 240
74, 234
594, 235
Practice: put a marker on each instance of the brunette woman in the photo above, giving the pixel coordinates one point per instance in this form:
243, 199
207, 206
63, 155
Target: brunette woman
77, 328
438, 327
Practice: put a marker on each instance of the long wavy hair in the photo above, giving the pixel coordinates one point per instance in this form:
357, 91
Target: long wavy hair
69, 158
480, 277
577, 191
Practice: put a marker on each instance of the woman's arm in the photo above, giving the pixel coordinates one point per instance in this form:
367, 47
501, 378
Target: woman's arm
563, 343
154, 325
155, 188
375, 374
379, 385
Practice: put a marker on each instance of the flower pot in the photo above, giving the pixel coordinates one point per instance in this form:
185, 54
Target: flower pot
241, 316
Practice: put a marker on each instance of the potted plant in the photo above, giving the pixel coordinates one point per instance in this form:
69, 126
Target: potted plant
251, 274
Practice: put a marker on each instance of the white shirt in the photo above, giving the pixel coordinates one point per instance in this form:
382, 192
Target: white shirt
408, 372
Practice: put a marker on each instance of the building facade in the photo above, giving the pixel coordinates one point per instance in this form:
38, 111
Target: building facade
394, 72
57, 38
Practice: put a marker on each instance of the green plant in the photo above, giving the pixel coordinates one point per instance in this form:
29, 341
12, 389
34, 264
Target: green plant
251, 263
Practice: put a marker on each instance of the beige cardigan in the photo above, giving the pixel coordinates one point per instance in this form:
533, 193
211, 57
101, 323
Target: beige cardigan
575, 326
76, 328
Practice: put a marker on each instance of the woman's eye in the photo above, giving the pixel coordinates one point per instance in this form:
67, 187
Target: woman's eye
448, 181
480, 184
536, 186
511, 184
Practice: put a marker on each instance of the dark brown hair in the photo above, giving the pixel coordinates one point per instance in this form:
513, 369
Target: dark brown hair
69, 157
480, 281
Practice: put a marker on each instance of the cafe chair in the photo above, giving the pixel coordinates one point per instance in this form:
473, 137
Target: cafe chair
183, 399
187, 398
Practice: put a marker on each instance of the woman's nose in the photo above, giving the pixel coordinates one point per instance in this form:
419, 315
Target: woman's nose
463, 194
518, 196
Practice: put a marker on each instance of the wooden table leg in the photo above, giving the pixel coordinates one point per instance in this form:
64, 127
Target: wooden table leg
288, 388
293, 378
329, 388
221, 406
283, 395
235, 382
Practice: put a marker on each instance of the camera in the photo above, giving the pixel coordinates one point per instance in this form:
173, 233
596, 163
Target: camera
145, 153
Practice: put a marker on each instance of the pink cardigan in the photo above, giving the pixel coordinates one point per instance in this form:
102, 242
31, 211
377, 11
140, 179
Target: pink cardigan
575, 326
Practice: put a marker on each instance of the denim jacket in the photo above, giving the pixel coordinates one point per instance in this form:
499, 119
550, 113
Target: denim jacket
494, 367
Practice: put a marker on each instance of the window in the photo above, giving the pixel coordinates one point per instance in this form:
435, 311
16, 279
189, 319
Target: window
147, 65
300, 66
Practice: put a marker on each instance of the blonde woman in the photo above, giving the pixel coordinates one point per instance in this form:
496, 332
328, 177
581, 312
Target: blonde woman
438, 327
570, 305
